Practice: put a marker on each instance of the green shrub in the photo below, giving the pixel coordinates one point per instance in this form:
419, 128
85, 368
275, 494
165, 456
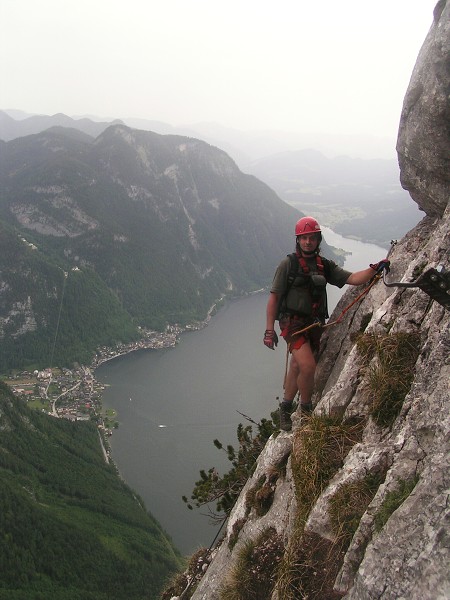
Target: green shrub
224, 490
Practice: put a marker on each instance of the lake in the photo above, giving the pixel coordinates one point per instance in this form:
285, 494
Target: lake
173, 403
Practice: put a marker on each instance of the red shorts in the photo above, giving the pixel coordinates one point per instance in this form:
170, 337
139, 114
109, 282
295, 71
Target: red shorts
292, 325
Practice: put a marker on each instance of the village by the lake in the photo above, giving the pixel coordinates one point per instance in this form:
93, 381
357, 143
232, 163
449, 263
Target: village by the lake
74, 394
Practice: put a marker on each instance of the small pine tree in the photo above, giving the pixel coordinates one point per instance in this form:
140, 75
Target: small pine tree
224, 490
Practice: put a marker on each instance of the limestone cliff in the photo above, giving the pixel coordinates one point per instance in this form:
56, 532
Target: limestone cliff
394, 475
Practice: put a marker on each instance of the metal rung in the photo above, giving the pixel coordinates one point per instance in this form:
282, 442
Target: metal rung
433, 282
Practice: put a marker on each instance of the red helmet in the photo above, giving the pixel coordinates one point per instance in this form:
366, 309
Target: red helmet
307, 225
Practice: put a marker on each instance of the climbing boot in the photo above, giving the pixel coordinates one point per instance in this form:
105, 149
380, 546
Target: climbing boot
285, 416
306, 409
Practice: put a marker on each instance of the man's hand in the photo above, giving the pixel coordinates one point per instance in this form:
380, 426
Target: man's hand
270, 339
383, 265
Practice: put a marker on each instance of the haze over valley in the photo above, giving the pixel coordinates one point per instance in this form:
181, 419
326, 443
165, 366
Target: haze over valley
358, 197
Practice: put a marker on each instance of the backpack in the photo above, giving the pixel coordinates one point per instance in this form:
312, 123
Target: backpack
294, 263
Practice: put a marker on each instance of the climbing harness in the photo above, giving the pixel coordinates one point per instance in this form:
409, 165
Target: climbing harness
318, 323
316, 284
434, 282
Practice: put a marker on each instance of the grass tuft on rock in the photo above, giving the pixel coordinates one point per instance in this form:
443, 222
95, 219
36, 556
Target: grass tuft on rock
393, 500
389, 362
253, 575
311, 563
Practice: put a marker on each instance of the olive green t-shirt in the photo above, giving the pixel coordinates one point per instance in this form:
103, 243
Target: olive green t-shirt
299, 299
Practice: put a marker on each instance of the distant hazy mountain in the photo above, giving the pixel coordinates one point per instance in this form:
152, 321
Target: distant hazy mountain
12, 128
18, 115
149, 229
356, 198
244, 146
247, 146
260, 143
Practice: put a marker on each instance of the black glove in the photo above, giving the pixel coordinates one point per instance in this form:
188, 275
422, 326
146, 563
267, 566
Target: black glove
383, 265
270, 339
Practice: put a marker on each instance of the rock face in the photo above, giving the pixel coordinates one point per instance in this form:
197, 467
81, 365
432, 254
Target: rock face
424, 134
405, 554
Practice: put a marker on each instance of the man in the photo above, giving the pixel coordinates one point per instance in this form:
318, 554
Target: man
298, 299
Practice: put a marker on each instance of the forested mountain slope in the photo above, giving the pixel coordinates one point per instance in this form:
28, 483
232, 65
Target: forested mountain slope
69, 527
129, 229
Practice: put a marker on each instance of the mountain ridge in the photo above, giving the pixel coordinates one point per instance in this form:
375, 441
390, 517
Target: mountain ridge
11, 128
146, 215
344, 185
247, 146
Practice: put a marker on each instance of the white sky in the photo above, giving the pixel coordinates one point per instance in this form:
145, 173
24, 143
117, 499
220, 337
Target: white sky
332, 66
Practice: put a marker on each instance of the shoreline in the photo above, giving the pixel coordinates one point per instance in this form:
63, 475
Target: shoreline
154, 340
77, 391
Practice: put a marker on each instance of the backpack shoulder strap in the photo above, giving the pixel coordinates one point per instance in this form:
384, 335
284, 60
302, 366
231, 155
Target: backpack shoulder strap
320, 265
293, 270
292, 274
326, 268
